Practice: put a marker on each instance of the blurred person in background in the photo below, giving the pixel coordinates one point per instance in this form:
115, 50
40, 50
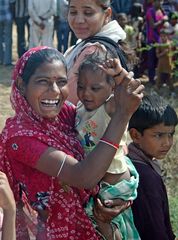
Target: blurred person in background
155, 19
62, 26
41, 21
6, 18
21, 20
123, 21
139, 38
165, 63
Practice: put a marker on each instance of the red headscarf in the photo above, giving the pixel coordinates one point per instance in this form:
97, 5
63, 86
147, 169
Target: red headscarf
58, 133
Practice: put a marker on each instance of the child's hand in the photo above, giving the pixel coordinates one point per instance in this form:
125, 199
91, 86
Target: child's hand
113, 68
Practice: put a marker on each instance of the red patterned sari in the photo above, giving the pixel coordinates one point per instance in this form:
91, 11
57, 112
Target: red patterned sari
66, 218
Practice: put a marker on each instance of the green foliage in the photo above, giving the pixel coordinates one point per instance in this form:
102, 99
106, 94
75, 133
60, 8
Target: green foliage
173, 206
170, 167
173, 52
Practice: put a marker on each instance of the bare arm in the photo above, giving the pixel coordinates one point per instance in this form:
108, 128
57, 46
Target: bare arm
87, 173
156, 24
162, 53
104, 215
7, 203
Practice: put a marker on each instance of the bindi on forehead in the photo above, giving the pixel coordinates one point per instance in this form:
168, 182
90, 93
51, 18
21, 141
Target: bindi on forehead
54, 77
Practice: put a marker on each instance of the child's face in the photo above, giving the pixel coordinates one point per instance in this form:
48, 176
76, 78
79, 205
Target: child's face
122, 21
157, 141
93, 89
164, 38
174, 21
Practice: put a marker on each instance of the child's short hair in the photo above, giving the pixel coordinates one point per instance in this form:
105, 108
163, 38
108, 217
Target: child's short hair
153, 110
92, 62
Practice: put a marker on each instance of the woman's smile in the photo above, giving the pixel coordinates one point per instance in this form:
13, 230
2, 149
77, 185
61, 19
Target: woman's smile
50, 103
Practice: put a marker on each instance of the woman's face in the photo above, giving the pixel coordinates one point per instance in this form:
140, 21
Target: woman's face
47, 89
86, 17
158, 4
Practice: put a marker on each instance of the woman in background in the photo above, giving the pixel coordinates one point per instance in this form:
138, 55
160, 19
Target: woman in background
88, 19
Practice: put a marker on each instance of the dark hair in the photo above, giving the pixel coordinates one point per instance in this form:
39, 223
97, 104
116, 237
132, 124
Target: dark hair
121, 15
92, 61
173, 15
137, 10
104, 4
47, 55
153, 110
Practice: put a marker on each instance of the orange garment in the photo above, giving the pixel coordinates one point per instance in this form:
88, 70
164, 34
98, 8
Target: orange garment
164, 61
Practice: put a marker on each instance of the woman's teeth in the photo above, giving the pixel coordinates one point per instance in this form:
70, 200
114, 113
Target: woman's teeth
50, 102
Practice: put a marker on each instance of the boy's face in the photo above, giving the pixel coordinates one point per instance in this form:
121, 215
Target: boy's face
156, 141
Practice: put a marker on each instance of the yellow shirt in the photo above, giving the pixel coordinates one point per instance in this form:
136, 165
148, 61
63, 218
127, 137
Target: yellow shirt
91, 127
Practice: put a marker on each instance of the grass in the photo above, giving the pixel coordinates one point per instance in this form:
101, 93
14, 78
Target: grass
173, 203
169, 164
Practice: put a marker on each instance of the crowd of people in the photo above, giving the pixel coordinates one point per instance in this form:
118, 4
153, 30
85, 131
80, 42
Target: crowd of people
40, 23
65, 152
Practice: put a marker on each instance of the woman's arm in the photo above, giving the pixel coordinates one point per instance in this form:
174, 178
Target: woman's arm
7, 203
109, 209
87, 173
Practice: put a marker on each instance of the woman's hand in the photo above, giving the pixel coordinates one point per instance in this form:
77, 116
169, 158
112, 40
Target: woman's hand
7, 201
128, 96
106, 211
128, 91
113, 68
